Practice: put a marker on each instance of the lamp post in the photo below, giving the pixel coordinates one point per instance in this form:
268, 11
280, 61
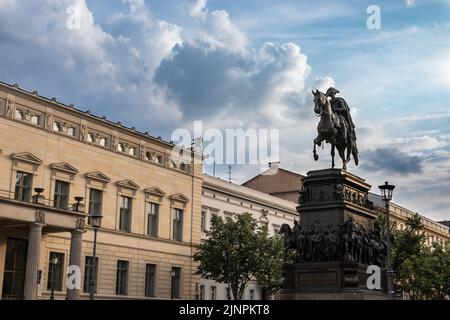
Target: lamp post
54, 261
172, 277
386, 194
95, 222
78, 204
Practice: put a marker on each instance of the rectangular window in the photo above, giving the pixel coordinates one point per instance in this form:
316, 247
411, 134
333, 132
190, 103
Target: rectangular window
35, 119
210, 221
125, 214
61, 198
176, 282
252, 294
150, 278
201, 293
88, 269
95, 202
203, 221
55, 271
122, 277
152, 228
213, 293
23, 186
178, 225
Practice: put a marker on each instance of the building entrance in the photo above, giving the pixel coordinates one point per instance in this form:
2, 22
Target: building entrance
14, 274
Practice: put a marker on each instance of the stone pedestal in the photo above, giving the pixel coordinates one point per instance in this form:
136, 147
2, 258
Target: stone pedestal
334, 211
331, 196
344, 280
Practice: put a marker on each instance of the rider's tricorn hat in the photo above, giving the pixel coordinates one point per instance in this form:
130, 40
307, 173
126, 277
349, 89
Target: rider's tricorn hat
331, 90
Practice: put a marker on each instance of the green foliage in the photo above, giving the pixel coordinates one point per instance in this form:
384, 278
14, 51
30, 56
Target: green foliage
408, 242
237, 250
421, 271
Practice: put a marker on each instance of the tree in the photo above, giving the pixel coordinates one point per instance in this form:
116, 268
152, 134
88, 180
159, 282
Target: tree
238, 250
421, 271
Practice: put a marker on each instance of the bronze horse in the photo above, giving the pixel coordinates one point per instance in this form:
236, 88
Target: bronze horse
331, 129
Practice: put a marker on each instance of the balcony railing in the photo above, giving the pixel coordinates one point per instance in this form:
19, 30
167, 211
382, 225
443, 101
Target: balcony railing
39, 199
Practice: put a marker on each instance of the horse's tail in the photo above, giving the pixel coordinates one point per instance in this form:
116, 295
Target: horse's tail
355, 153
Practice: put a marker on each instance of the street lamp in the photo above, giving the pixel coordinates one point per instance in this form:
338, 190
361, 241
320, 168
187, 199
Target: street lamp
172, 276
386, 194
78, 204
54, 261
95, 222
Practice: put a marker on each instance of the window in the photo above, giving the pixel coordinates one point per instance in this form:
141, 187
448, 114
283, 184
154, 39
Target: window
35, 119
203, 221
61, 198
132, 151
90, 137
252, 294
18, 114
152, 210
23, 186
125, 214
201, 293
178, 225
160, 159
56, 127
95, 202
88, 268
176, 279
213, 293
150, 277
55, 271
71, 131
102, 142
122, 277
210, 221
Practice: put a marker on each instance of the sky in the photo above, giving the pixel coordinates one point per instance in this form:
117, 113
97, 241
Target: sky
251, 64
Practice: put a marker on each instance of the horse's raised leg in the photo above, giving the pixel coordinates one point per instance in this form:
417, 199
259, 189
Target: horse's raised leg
332, 155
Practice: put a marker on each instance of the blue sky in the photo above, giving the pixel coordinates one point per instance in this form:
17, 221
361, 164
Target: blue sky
160, 65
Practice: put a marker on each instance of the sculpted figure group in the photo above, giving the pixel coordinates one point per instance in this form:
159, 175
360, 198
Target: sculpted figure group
349, 242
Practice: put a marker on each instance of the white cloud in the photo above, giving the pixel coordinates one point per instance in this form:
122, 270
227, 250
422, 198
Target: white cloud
198, 9
323, 83
410, 3
221, 31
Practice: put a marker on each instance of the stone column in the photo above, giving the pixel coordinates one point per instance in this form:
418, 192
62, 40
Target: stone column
34, 244
75, 260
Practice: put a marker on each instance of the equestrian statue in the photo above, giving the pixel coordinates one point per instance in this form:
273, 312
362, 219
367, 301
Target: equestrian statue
335, 127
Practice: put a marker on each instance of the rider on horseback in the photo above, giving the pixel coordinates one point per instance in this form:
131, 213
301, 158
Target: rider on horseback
341, 108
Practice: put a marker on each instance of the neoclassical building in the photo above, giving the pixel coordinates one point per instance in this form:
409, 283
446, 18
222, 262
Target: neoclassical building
226, 199
149, 198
